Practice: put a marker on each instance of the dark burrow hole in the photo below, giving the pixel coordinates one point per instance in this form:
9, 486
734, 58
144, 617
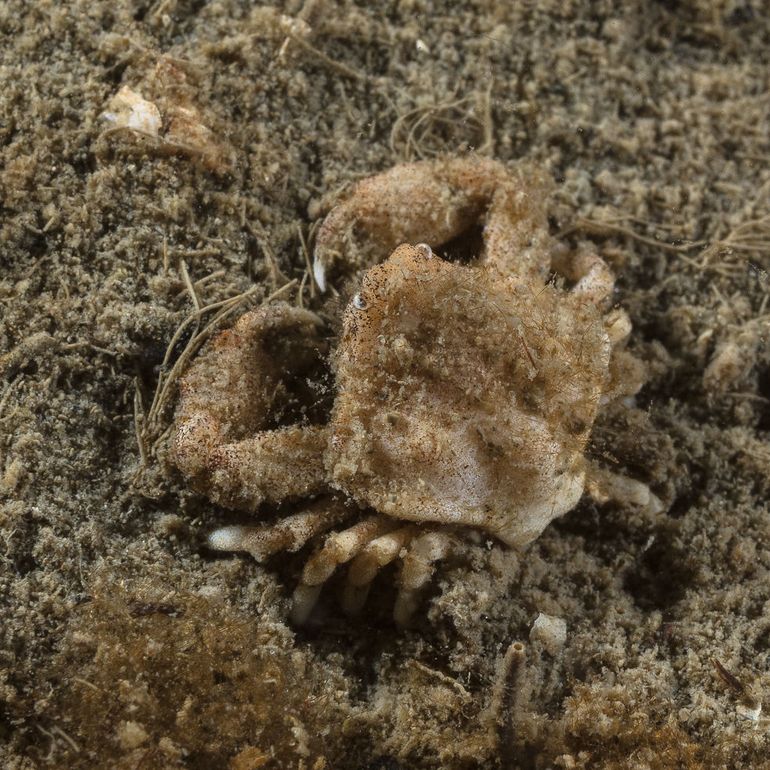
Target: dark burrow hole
384, 763
141, 11
6, 728
682, 505
660, 577
364, 639
762, 642
763, 391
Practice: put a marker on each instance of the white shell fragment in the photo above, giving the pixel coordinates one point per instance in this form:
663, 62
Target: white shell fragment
550, 631
175, 121
127, 109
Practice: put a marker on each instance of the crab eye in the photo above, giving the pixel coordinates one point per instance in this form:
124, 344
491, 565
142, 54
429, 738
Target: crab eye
425, 250
359, 302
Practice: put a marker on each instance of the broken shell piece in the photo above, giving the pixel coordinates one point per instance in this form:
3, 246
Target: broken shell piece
187, 134
550, 631
127, 109
179, 127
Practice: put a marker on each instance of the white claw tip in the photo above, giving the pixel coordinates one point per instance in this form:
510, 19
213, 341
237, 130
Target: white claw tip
226, 539
319, 273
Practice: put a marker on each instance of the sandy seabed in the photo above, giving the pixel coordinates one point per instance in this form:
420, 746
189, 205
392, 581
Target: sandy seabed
124, 643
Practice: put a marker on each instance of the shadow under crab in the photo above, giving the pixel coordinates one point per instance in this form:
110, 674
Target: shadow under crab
465, 394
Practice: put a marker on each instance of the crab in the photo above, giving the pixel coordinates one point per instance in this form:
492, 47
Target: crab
464, 391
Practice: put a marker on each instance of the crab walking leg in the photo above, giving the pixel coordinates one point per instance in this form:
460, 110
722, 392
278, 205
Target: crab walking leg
594, 280
417, 570
627, 372
516, 239
618, 326
372, 558
339, 548
604, 485
289, 534
595, 283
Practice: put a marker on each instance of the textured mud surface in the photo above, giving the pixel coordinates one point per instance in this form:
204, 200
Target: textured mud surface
125, 644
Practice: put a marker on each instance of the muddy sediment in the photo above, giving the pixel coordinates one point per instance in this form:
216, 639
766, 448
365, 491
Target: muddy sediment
123, 642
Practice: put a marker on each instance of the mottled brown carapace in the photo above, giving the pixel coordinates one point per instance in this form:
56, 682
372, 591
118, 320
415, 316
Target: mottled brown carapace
464, 391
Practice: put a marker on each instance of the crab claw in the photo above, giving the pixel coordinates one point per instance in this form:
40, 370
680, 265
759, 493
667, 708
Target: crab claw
227, 442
